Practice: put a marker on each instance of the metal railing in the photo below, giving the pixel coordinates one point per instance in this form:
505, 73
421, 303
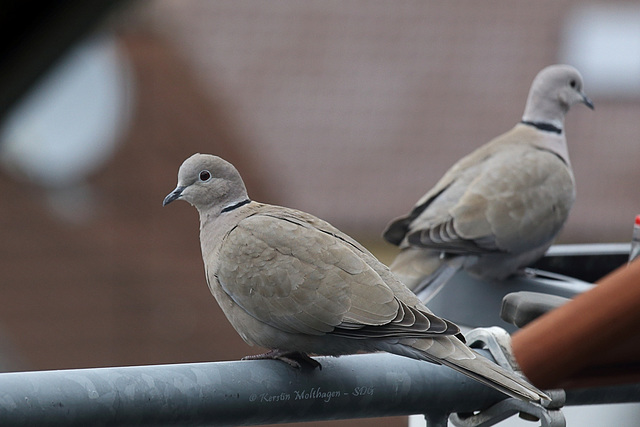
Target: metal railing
254, 392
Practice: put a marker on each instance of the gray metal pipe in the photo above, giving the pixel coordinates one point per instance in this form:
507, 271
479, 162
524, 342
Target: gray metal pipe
241, 393
237, 393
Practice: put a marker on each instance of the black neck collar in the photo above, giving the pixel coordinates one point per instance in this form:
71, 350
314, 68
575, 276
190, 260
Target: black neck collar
236, 206
543, 126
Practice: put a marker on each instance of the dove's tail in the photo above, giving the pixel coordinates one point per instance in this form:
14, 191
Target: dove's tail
493, 375
456, 355
423, 271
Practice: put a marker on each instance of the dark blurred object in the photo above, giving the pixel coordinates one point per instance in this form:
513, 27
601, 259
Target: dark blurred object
521, 308
34, 36
588, 262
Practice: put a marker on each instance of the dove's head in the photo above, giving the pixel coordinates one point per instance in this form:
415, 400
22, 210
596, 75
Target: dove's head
554, 90
208, 183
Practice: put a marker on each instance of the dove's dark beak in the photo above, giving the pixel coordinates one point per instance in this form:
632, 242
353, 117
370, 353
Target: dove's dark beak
586, 101
175, 194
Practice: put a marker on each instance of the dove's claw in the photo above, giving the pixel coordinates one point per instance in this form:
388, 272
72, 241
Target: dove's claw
295, 359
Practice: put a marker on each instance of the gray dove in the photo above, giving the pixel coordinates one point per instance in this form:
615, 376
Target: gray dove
291, 282
498, 209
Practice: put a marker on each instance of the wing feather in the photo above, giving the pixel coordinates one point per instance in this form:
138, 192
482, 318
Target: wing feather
304, 276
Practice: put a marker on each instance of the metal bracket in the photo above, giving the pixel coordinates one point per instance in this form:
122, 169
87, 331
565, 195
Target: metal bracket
505, 409
498, 342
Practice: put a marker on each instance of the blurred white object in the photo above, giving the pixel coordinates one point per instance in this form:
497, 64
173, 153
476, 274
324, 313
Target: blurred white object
69, 124
602, 40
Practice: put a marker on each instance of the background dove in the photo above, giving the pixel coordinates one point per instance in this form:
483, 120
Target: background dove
499, 208
290, 282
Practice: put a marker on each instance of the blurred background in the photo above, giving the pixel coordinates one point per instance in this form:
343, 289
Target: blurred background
348, 110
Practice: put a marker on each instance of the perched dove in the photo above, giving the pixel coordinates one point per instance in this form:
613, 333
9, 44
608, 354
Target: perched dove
498, 209
292, 283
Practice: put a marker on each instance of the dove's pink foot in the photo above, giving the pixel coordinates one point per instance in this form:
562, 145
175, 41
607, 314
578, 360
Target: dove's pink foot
294, 359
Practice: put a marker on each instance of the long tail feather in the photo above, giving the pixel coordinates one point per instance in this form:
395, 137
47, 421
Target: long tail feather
491, 374
472, 364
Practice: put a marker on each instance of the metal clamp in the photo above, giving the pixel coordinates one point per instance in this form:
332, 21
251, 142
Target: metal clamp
505, 409
498, 342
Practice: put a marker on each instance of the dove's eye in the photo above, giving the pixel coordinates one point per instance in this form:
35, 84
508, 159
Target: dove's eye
205, 176
573, 84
